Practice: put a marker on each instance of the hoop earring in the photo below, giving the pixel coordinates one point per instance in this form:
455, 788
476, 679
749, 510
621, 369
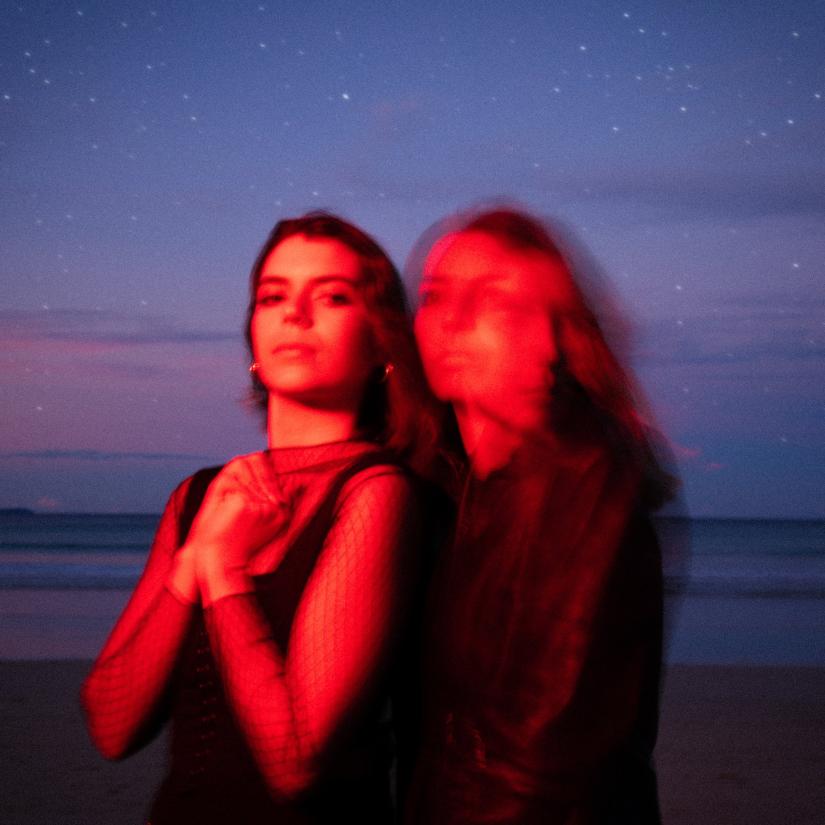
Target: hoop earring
388, 370
254, 367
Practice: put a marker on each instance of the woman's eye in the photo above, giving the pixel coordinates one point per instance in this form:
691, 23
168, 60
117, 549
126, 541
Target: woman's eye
335, 299
495, 299
269, 299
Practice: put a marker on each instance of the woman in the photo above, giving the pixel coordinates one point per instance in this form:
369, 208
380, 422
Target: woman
277, 585
544, 642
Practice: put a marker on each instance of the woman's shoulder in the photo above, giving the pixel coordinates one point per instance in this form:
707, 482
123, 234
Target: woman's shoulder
189, 493
380, 475
375, 470
199, 480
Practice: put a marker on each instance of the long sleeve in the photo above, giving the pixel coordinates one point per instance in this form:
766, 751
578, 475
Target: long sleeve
292, 705
123, 694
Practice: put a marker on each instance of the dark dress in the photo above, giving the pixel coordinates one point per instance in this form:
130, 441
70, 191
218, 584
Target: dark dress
217, 773
544, 649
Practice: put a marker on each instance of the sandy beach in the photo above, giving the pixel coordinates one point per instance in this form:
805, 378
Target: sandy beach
738, 745
742, 745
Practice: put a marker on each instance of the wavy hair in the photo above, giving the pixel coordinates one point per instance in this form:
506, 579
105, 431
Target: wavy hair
398, 410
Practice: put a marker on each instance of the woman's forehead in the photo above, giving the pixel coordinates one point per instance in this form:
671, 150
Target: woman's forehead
303, 256
475, 257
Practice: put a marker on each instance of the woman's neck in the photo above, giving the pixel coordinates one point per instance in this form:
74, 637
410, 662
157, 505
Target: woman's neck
487, 441
289, 423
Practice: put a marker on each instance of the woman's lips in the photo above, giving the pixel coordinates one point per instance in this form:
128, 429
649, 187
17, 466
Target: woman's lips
294, 350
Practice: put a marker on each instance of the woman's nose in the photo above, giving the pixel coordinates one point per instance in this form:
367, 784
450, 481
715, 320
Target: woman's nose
456, 315
297, 311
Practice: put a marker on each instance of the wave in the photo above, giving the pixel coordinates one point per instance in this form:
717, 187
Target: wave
68, 577
82, 546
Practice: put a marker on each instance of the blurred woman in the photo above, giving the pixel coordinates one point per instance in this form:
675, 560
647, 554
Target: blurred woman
544, 632
278, 585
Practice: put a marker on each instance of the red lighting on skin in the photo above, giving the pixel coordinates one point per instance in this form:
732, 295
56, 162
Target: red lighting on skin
545, 624
484, 327
277, 586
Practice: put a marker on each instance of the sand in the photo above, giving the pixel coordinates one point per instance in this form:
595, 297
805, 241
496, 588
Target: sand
51, 774
743, 745
737, 745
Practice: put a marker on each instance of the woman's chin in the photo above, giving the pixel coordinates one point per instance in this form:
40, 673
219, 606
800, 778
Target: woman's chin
316, 395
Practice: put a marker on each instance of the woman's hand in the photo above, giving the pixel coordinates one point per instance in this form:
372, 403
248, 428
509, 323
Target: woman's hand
243, 511
182, 578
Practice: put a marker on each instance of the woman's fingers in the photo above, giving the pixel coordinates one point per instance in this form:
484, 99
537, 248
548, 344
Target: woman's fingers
254, 475
263, 476
241, 513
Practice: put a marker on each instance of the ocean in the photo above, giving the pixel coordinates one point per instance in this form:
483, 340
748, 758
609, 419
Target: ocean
73, 551
746, 592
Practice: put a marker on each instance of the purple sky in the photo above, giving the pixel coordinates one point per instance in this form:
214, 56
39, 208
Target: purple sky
146, 150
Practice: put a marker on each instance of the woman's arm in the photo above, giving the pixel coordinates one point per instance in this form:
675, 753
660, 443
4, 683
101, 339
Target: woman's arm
122, 695
290, 708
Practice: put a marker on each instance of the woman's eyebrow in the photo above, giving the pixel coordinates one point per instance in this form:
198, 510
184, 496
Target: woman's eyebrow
323, 279
318, 279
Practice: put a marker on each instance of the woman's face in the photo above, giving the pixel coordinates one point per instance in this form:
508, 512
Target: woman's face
310, 329
484, 326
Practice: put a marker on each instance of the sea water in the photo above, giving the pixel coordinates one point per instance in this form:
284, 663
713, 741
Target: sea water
742, 591
73, 551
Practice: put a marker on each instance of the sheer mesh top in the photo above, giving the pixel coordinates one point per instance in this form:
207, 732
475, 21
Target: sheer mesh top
276, 697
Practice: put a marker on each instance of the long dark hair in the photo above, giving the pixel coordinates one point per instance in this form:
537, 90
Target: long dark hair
593, 394
397, 410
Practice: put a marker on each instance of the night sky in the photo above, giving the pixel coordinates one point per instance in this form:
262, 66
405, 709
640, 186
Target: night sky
147, 149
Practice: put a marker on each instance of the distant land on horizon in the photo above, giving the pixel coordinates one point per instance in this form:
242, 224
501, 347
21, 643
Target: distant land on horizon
27, 511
